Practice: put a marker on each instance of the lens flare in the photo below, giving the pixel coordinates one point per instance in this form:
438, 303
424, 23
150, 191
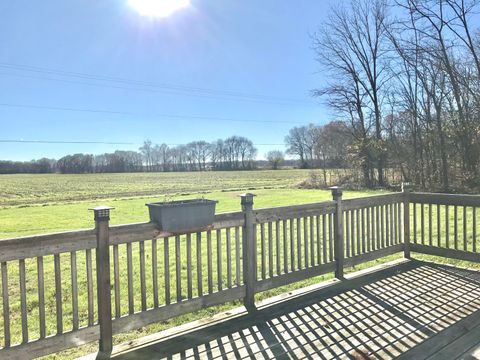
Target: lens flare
158, 8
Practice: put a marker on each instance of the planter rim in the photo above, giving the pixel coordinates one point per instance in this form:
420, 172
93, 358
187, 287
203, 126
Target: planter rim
176, 203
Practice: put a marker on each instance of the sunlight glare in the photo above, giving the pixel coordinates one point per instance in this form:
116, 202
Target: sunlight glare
158, 8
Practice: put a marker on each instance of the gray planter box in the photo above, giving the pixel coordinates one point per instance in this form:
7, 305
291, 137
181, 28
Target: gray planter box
183, 216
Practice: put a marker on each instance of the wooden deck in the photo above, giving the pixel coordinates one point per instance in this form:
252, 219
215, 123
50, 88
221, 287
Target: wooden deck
413, 310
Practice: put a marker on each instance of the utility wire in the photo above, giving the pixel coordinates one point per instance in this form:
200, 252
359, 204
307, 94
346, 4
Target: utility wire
114, 112
153, 85
210, 97
94, 142
64, 142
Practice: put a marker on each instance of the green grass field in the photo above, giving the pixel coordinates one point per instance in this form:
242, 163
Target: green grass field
26, 190
34, 204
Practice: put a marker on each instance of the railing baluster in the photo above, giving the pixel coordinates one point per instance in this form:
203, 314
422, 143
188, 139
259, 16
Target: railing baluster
6, 305
430, 240
131, 303
73, 275
330, 236
154, 273
465, 228
359, 239
369, 225
262, 250
143, 285
270, 250
447, 227
382, 225
377, 224
347, 233
166, 263
277, 247
88, 263
324, 238
292, 247
474, 229
178, 269
352, 233
393, 219
237, 256
415, 223
422, 222
363, 229
58, 293
209, 262
199, 263
41, 297
406, 191
455, 227
399, 223
299, 243
189, 267
312, 241
285, 247
392, 223
305, 241
219, 260
116, 281
387, 225
23, 300
439, 242
319, 239
229, 259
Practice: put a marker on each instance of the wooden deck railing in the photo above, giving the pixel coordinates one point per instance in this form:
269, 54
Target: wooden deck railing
444, 225
66, 289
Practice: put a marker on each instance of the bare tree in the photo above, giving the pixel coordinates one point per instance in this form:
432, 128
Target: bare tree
275, 158
352, 46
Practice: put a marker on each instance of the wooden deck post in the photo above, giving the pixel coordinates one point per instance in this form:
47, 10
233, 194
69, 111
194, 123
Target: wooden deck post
338, 243
104, 300
406, 189
249, 252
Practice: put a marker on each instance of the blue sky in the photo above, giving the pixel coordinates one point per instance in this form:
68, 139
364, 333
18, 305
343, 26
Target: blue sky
249, 46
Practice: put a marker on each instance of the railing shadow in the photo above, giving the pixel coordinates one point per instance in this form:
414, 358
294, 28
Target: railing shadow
398, 312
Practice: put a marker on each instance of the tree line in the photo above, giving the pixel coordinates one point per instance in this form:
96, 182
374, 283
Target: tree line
233, 153
407, 82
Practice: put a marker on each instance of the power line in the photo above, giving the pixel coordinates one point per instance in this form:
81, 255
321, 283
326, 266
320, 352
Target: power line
177, 89
64, 142
94, 142
114, 112
210, 97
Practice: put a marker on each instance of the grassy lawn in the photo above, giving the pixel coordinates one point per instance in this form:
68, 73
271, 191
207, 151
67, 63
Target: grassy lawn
26, 190
20, 221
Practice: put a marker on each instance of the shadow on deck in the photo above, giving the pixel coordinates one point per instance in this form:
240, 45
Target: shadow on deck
412, 310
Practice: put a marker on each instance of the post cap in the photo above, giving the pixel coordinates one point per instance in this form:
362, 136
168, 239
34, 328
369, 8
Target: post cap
407, 187
102, 212
247, 198
336, 190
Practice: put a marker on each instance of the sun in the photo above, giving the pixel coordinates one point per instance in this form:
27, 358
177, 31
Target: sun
158, 8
